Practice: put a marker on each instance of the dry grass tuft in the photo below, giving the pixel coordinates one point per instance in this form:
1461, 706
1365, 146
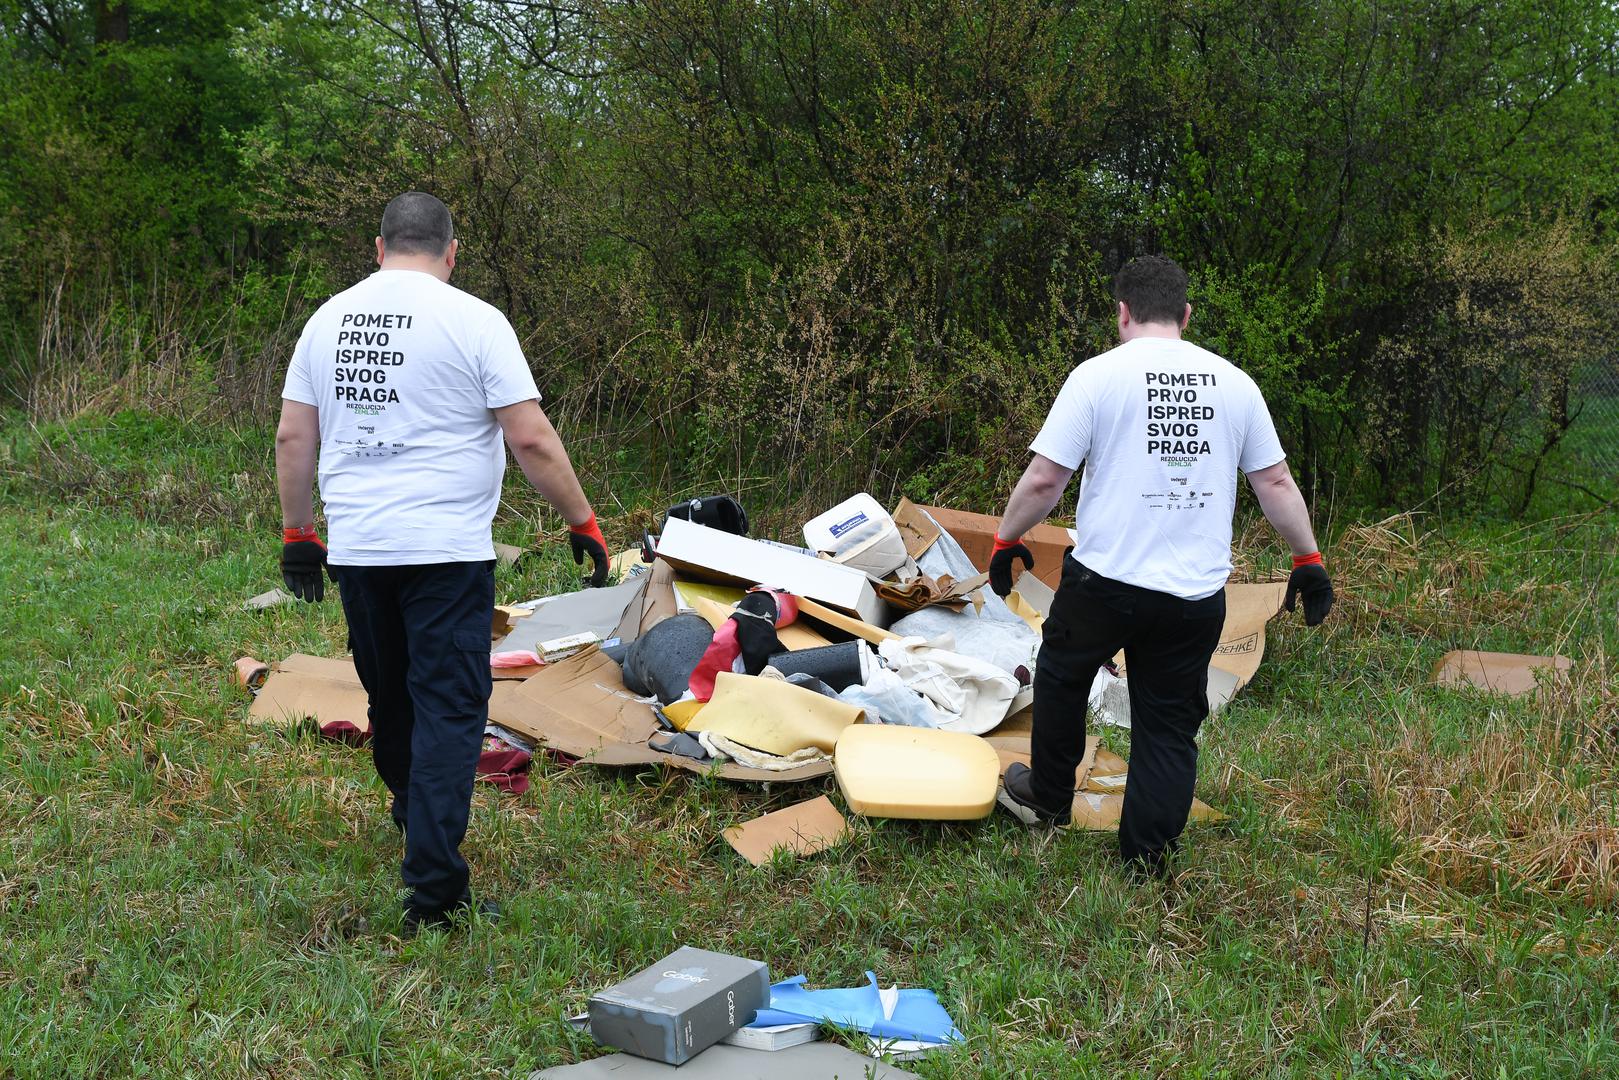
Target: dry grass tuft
1525, 806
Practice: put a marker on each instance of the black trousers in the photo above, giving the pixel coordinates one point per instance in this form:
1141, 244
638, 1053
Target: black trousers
1167, 645
420, 636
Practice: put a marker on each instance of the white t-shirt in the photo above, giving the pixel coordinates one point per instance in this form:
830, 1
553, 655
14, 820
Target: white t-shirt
1162, 427
405, 369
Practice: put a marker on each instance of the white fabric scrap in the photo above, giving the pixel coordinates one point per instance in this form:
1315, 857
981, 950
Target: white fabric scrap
722, 748
969, 694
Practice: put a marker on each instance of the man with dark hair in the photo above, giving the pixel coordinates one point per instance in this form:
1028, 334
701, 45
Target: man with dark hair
1162, 428
416, 223
401, 389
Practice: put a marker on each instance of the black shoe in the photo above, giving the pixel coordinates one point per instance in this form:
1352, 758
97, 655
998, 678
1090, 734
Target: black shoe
1017, 795
416, 920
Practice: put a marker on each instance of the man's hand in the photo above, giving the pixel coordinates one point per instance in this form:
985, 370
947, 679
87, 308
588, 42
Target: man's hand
586, 539
1310, 580
1000, 563
303, 561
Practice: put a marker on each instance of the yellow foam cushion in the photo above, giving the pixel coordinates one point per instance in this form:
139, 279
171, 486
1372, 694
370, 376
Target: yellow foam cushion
773, 715
906, 772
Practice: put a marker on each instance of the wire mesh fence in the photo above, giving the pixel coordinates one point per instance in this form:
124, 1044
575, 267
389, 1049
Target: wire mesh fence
1591, 447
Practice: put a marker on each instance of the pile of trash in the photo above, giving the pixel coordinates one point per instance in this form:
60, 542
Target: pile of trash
871, 651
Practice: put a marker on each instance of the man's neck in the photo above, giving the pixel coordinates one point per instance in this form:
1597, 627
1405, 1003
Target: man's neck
1170, 331
422, 265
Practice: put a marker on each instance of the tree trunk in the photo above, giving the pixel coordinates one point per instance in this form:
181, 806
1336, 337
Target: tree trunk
112, 21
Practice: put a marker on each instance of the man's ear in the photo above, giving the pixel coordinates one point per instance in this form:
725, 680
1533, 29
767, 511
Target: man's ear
379, 251
1186, 316
449, 255
1124, 313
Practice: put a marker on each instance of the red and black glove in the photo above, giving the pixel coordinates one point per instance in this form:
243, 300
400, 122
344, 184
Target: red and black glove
303, 563
1310, 580
1000, 563
586, 539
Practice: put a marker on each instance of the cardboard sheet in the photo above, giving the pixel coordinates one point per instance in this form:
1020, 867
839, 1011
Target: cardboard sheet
312, 687
1100, 803
1030, 600
924, 591
599, 611
1094, 812
915, 528
625, 563
580, 707
328, 690
655, 602
1502, 673
508, 554
720, 557
515, 674
1242, 643
810, 1061
273, 598
802, 829
976, 535
1015, 748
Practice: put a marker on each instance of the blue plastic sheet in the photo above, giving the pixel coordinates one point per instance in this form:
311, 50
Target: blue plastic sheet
917, 1014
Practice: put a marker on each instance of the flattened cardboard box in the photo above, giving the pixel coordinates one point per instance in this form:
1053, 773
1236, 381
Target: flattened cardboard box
328, 690
811, 1061
976, 535
802, 829
312, 687
581, 707
680, 1006
1501, 673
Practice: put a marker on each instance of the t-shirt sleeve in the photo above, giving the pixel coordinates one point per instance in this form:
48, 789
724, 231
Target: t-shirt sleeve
1066, 436
1260, 447
506, 377
298, 385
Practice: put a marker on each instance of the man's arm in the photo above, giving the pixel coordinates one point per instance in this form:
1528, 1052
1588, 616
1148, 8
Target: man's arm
539, 450
1032, 501
297, 447
540, 453
1279, 497
297, 444
1035, 496
1284, 506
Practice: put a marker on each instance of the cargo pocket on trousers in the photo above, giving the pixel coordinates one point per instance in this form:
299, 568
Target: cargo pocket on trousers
474, 646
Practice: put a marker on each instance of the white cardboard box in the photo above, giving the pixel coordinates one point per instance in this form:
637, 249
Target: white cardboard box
712, 555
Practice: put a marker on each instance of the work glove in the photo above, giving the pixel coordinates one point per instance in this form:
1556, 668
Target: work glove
1000, 563
1310, 580
303, 563
586, 539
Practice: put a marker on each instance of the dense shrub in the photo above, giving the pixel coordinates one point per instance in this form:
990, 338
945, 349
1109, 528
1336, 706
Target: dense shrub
841, 244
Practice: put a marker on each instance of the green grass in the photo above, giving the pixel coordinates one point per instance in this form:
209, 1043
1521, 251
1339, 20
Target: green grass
182, 894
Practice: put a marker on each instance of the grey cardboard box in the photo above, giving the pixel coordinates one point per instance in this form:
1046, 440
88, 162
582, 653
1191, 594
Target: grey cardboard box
680, 1006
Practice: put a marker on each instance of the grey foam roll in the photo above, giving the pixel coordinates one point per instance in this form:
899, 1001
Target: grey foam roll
839, 666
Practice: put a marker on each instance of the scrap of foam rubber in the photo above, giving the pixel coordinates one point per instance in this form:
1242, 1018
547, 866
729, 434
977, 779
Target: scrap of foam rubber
920, 773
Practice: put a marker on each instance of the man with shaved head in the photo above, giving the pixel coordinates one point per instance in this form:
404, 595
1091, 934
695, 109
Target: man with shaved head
401, 389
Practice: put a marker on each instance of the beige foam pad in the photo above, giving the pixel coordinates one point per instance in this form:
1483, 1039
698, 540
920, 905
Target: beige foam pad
923, 773
773, 715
